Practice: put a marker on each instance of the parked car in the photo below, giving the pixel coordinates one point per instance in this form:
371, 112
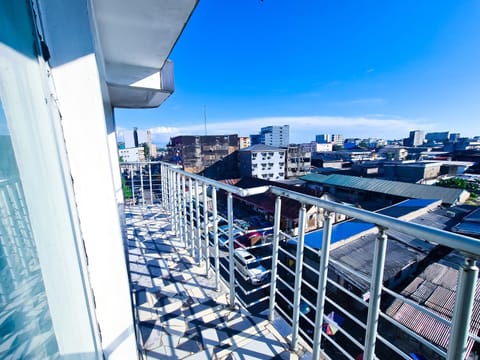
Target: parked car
254, 237
250, 267
223, 236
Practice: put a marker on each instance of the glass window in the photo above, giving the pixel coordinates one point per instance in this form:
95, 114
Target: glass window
25, 324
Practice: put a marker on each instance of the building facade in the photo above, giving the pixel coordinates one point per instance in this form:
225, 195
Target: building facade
299, 161
210, 155
416, 138
278, 136
262, 161
244, 142
132, 154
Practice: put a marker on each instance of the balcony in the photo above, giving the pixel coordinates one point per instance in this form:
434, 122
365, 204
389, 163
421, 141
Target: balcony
193, 297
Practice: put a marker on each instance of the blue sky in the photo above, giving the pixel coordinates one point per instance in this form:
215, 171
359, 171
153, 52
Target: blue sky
357, 68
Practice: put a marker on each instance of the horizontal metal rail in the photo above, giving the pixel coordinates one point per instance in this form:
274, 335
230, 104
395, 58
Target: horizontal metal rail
196, 223
455, 241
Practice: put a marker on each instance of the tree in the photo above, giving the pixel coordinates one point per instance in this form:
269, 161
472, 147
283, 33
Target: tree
457, 183
127, 192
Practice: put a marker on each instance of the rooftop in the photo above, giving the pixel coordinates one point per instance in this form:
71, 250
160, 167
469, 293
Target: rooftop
262, 147
396, 188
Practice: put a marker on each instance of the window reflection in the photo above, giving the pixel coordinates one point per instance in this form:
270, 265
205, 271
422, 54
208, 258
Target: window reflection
25, 325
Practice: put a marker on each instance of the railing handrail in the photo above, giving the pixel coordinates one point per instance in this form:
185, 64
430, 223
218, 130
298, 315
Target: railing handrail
174, 198
456, 241
459, 242
222, 186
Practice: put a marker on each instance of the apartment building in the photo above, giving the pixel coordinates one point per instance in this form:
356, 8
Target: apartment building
299, 160
211, 155
278, 136
244, 142
262, 161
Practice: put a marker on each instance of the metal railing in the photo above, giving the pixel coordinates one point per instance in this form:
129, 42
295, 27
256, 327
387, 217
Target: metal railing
306, 302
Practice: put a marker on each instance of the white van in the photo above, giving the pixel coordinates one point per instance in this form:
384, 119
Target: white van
249, 267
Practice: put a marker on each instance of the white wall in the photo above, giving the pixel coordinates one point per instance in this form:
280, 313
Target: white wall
86, 111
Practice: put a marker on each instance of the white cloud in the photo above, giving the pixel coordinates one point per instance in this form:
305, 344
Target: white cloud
303, 128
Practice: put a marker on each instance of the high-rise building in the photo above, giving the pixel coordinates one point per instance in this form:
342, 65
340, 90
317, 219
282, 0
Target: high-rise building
437, 137
416, 138
135, 136
337, 139
322, 138
278, 136
454, 137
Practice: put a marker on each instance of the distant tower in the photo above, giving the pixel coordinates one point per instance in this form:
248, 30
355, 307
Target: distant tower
322, 138
416, 138
149, 137
135, 136
275, 135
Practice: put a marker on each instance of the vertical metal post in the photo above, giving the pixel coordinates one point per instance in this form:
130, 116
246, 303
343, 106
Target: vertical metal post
231, 249
375, 294
140, 167
170, 192
190, 213
150, 182
322, 283
132, 174
205, 228
297, 290
184, 212
198, 248
215, 239
462, 315
178, 189
273, 274
164, 186
174, 202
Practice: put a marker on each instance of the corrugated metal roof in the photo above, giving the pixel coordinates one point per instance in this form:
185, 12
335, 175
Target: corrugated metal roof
474, 216
435, 288
396, 188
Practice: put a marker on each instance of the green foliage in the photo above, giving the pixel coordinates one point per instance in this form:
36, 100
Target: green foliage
127, 192
146, 151
471, 186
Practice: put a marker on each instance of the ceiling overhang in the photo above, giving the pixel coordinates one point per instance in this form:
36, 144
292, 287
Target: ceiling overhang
136, 38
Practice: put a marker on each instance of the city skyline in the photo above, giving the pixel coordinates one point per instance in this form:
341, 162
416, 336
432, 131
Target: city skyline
376, 70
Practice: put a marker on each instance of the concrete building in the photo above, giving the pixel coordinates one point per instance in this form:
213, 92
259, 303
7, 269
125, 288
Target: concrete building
323, 138
337, 139
320, 147
437, 137
299, 161
278, 136
414, 172
263, 161
64, 67
244, 142
132, 154
211, 155
415, 138
393, 152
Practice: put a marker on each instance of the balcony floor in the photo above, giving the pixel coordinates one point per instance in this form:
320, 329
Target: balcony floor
179, 313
